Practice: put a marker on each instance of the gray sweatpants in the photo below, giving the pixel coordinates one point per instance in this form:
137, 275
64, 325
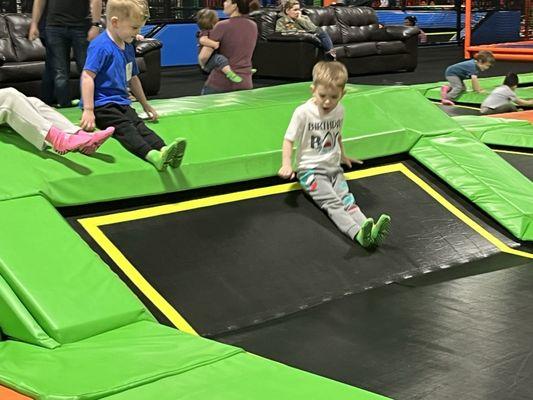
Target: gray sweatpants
457, 87
330, 192
506, 108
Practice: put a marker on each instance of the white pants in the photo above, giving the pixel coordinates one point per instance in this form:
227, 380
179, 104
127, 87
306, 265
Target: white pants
30, 117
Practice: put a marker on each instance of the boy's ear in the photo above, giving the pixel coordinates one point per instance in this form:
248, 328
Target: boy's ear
312, 87
114, 21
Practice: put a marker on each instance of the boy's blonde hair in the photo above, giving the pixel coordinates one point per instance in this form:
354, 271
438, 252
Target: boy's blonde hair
206, 18
330, 73
127, 9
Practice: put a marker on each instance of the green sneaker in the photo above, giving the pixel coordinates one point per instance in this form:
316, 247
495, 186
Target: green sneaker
381, 229
176, 160
154, 157
364, 236
232, 76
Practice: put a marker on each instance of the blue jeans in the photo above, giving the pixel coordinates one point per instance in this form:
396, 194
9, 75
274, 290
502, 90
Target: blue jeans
60, 40
325, 40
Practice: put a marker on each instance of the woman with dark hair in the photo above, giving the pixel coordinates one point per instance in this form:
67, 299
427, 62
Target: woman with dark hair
237, 36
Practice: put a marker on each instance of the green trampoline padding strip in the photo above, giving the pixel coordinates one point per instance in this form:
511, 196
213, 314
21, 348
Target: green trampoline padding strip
239, 377
231, 137
432, 90
483, 176
142, 358
499, 131
69, 291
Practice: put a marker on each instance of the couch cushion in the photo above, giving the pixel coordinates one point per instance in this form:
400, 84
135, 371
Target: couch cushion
6, 45
25, 49
266, 22
392, 47
360, 49
325, 19
357, 24
21, 71
29, 71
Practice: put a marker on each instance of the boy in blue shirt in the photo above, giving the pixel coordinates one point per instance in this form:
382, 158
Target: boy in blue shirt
110, 65
455, 74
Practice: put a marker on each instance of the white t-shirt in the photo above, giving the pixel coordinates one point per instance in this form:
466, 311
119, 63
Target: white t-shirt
499, 96
316, 136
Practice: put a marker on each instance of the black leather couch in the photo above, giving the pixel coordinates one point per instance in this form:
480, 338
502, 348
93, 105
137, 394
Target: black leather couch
361, 44
23, 64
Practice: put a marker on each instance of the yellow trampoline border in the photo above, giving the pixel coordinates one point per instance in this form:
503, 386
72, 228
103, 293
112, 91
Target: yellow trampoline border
92, 226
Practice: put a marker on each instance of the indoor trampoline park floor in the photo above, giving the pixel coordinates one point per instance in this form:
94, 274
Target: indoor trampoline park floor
440, 311
224, 250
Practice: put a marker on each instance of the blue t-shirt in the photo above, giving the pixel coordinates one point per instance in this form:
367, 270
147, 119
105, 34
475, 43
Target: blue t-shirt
113, 67
463, 70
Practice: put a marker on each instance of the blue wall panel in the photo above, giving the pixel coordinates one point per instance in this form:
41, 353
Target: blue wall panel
179, 44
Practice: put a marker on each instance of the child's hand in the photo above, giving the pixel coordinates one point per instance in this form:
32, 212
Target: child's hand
151, 112
286, 172
216, 45
350, 161
87, 120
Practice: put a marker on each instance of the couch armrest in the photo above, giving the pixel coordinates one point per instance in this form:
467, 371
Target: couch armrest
399, 32
294, 37
147, 45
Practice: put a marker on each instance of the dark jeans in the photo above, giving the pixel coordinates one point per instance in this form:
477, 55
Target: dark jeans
216, 61
325, 40
47, 81
130, 129
60, 40
506, 108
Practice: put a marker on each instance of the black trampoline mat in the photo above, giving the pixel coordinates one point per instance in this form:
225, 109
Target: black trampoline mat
241, 263
521, 161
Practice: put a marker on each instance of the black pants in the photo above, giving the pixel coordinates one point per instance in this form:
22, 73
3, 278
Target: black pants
130, 130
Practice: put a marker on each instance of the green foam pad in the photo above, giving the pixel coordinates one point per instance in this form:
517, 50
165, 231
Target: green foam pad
483, 177
231, 137
63, 284
17, 323
499, 131
432, 90
105, 364
245, 377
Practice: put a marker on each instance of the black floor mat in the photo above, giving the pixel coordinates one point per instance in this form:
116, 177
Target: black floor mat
522, 162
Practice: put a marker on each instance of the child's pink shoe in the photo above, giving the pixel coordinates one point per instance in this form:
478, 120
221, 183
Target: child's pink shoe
63, 142
96, 140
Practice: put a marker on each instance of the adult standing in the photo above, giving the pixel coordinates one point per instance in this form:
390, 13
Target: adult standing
70, 25
237, 37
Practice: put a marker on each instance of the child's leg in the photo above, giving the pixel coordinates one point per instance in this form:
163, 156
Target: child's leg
457, 87
218, 61
320, 187
18, 112
348, 200
170, 155
56, 118
506, 108
125, 129
148, 136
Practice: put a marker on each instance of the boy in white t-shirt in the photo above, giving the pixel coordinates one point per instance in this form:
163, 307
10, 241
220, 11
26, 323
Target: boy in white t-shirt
316, 128
503, 98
